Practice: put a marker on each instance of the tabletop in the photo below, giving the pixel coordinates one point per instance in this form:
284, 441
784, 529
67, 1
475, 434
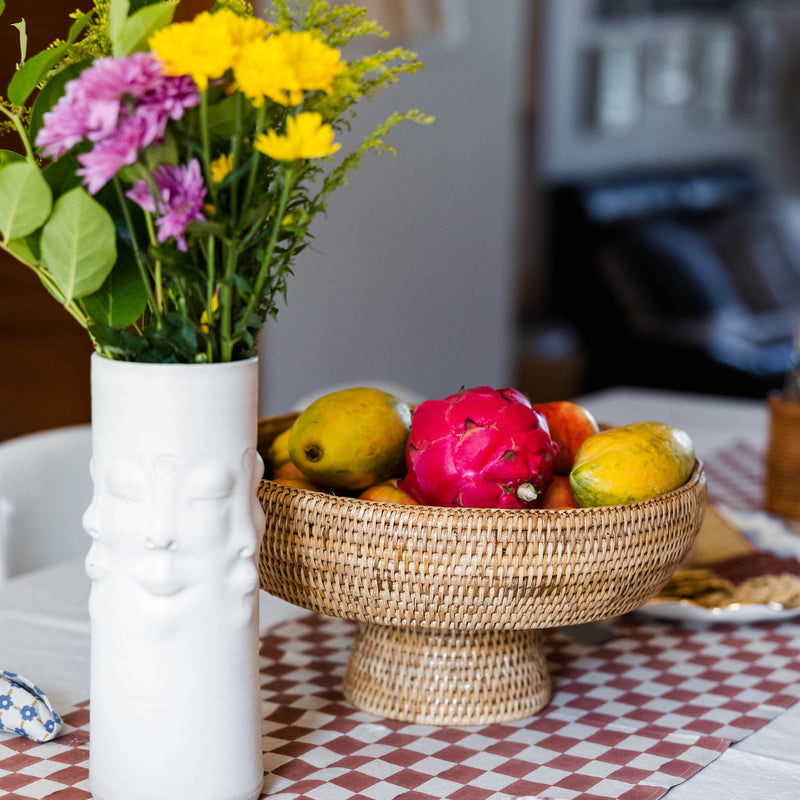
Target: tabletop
44, 635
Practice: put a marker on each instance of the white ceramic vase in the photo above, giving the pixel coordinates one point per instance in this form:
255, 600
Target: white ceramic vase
174, 697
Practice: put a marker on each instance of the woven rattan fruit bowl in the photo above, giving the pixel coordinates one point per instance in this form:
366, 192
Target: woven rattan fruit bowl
450, 602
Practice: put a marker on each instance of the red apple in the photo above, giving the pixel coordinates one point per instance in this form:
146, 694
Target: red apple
570, 424
557, 494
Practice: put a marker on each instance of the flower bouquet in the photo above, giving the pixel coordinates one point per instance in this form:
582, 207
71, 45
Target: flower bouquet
169, 173
167, 177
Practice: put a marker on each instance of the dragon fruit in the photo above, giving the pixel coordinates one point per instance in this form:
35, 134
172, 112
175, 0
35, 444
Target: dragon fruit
479, 448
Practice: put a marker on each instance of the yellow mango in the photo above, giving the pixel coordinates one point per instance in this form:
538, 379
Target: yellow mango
352, 438
388, 492
630, 463
278, 453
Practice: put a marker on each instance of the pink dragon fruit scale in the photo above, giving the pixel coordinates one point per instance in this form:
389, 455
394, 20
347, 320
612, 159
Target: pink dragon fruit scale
479, 448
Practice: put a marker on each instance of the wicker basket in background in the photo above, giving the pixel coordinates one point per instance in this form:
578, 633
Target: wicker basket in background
782, 481
450, 601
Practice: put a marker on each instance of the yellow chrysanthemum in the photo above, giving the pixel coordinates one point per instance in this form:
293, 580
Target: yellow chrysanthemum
204, 48
315, 63
306, 137
261, 70
246, 29
221, 166
284, 66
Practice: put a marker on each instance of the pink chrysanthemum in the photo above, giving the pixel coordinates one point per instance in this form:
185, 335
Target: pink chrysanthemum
167, 100
181, 194
120, 104
92, 102
108, 156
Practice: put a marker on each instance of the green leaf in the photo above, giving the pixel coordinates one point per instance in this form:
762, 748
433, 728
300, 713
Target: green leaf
222, 117
23, 39
54, 292
135, 5
79, 244
32, 71
173, 341
77, 27
33, 242
50, 94
122, 298
136, 29
20, 250
61, 175
208, 229
117, 14
25, 199
2, 6
10, 157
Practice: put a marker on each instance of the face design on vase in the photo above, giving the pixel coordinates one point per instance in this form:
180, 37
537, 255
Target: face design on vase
171, 523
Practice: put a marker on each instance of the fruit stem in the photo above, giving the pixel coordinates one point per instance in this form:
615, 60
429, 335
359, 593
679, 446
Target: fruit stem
526, 493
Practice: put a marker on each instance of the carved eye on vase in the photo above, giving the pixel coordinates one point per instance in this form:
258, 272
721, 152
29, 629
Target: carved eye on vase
211, 482
126, 481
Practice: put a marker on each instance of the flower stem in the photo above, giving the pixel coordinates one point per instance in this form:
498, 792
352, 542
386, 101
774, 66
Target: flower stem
251, 178
151, 301
151, 232
47, 279
17, 123
206, 146
210, 261
226, 302
266, 261
71, 308
236, 142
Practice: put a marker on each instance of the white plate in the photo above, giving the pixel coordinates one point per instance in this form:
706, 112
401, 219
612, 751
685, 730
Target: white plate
765, 532
740, 613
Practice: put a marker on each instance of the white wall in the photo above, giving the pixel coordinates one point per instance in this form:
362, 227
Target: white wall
413, 279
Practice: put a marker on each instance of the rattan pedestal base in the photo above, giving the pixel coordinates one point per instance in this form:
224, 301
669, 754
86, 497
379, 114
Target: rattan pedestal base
447, 678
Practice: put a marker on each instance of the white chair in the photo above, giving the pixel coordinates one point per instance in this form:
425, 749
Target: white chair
45, 487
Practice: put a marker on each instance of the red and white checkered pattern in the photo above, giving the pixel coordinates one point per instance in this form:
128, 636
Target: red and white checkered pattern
56, 770
630, 717
735, 476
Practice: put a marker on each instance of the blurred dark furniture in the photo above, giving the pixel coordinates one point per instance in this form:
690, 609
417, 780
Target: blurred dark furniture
685, 280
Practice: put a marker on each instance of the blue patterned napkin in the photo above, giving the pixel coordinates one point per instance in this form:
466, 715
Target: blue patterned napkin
25, 709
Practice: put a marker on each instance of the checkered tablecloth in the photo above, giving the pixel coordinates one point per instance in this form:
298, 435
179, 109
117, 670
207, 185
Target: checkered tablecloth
631, 716
736, 476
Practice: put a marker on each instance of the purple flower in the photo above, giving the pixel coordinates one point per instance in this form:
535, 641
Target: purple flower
142, 196
64, 126
120, 104
168, 100
92, 102
103, 86
108, 156
172, 95
180, 197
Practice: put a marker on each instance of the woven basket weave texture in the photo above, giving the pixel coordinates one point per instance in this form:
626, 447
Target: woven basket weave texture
456, 586
782, 480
